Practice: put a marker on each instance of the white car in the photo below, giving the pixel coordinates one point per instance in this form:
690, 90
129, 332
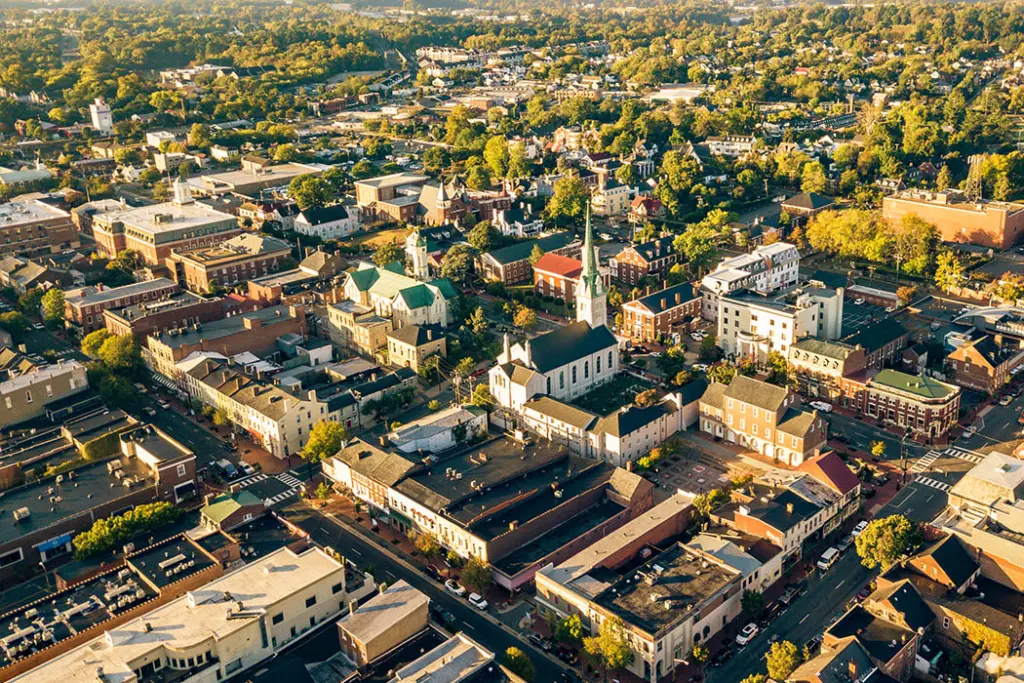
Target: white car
859, 529
890, 309
477, 601
858, 301
822, 406
454, 588
747, 634
1006, 400
700, 367
697, 336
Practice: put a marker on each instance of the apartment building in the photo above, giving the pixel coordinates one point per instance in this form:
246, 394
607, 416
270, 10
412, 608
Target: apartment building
85, 306
998, 225
883, 342
753, 324
256, 332
677, 598
27, 387
158, 230
33, 228
651, 260
661, 313
173, 311
383, 623
731, 145
766, 269
763, 418
358, 327
411, 345
239, 258
820, 365
984, 363
221, 629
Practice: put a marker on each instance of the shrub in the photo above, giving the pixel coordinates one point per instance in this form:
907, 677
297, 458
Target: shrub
108, 533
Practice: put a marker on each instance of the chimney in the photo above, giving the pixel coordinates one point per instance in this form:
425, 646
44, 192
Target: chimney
851, 669
789, 508
679, 298
352, 606
383, 441
430, 334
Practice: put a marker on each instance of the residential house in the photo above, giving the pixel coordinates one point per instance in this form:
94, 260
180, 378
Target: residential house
511, 265
27, 387
650, 260
411, 345
328, 222
661, 313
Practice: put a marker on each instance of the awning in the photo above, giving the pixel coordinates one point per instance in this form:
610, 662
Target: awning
55, 542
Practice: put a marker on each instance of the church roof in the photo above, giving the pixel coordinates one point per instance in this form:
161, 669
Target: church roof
569, 343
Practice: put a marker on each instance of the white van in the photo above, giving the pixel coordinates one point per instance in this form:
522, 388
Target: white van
828, 558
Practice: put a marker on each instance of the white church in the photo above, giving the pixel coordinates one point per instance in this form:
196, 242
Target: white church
567, 362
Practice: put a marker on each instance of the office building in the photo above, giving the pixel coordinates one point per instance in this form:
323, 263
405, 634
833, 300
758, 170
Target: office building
34, 228
766, 269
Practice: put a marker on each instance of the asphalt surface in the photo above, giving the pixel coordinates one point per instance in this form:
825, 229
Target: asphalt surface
999, 424
861, 435
327, 531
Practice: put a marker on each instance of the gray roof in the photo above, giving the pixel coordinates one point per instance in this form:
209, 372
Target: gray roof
822, 347
383, 467
376, 616
624, 422
797, 422
757, 393
569, 343
563, 412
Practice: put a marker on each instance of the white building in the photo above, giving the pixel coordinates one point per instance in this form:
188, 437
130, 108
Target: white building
155, 138
611, 200
731, 145
214, 632
753, 324
328, 222
102, 120
440, 431
766, 269
394, 295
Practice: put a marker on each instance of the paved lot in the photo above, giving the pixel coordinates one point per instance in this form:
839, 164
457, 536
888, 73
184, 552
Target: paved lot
856, 317
1006, 262
998, 424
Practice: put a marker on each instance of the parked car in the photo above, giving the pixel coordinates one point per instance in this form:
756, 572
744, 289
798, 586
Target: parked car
859, 529
141, 388
227, 469
431, 571
697, 336
163, 404
813, 645
38, 326
845, 542
149, 411
822, 406
700, 367
442, 616
859, 301
454, 588
539, 641
1006, 400
747, 634
864, 592
828, 558
247, 469
722, 656
477, 601
567, 655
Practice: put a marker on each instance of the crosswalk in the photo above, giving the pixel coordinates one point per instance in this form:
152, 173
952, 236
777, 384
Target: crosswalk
924, 463
249, 481
964, 454
289, 480
959, 452
935, 484
292, 482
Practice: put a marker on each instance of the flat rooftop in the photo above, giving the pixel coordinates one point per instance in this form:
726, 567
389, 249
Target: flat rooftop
393, 180
679, 580
450, 662
237, 248
377, 615
157, 444
85, 489
18, 213
225, 327
203, 613
91, 296
277, 174
144, 309
158, 219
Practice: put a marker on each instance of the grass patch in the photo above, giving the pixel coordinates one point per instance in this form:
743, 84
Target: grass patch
376, 239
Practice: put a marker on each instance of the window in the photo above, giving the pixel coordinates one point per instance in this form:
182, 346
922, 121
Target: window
11, 557
7, 402
586, 369
336, 588
945, 622
181, 470
277, 618
233, 666
310, 601
597, 368
574, 374
561, 380
49, 391
609, 359
28, 397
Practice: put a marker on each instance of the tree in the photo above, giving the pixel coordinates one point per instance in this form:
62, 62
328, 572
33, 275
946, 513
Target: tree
199, 136
483, 236
609, 648
286, 152
426, 543
722, 373
812, 178
698, 244
753, 603
524, 318
782, 659
699, 654
435, 160
944, 179
30, 301
949, 272
116, 391
108, 533
779, 369
53, 305
518, 162
456, 262
646, 399
310, 191
92, 342
387, 253
476, 574
754, 678
220, 418
364, 169
906, 294
477, 322
325, 439
481, 397
536, 254
479, 178
496, 155
15, 323
120, 354
885, 540
518, 663
877, 448
569, 202
569, 630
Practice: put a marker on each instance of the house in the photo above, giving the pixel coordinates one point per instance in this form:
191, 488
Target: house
395, 296
328, 222
409, 346
661, 313
731, 145
807, 205
644, 208
27, 387
651, 260
383, 623
984, 364
231, 509
518, 221
763, 418
556, 276
440, 431
610, 199
830, 470
358, 327
511, 265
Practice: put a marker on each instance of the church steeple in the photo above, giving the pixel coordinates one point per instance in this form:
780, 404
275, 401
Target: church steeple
591, 297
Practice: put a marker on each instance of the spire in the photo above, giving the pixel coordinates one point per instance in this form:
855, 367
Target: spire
506, 348
591, 298
182, 194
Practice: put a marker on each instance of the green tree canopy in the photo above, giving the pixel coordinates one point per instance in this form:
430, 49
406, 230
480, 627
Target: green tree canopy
310, 191
885, 540
782, 659
325, 440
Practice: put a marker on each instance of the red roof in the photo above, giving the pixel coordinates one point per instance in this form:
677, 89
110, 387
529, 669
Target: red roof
830, 469
556, 264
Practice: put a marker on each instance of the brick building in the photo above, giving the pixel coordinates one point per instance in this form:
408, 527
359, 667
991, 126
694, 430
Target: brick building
33, 228
175, 311
84, 307
984, 363
239, 258
646, 260
555, 275
925, 406
657, 314
820, 365
883, 342
986, 223
511, 265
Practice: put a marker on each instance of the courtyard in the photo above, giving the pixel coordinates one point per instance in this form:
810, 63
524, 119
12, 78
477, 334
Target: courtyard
615, 394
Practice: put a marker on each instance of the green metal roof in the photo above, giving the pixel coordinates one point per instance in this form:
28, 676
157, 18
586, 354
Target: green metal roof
918, 385
365, 278
448, 290
417, 296
226, 504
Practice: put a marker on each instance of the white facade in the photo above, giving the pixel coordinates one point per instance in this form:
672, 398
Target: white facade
416, 252
731, 145
102, 120
751, 325
611, 201
766, 269
438, 431
329, 230
155, 138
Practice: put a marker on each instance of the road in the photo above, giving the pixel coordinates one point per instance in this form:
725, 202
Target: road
998, 424
327, 531
861, 435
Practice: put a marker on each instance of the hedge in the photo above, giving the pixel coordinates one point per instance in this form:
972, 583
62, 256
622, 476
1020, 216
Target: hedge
106, 534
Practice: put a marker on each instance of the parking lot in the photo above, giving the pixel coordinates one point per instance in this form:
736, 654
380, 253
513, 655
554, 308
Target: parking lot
693, 472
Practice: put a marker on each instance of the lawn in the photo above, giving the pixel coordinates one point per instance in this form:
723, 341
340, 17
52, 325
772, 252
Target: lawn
375, 239
613, 395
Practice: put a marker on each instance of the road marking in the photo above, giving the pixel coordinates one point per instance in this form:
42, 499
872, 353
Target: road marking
468, 625
840, 583
806, 617
934, 483
929, 498
912, 492
353, 550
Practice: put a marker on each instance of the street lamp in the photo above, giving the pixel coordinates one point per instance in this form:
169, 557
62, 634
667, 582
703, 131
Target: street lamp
903, 454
